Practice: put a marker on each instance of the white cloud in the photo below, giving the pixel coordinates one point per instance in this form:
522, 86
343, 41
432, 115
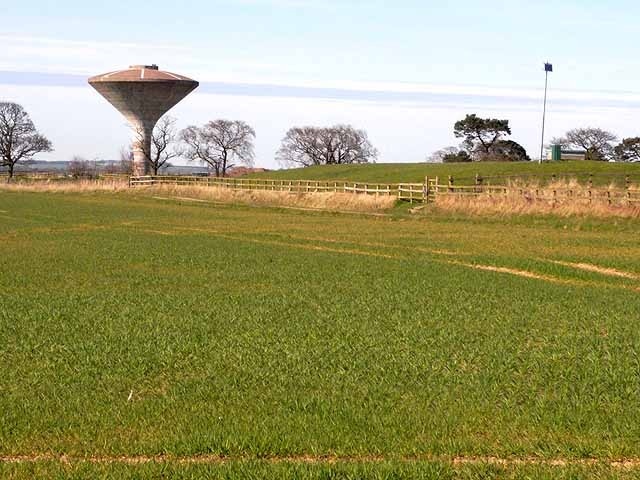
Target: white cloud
50, 55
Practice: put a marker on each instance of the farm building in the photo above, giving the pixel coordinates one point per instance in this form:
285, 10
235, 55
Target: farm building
558, 153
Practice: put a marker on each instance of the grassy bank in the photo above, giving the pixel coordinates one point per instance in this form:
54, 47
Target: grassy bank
464, 173
140, 326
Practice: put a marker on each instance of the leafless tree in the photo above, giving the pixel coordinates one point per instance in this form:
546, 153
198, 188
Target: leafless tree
306, 146
220, 144
80, 167
438, 155
596, 142
126, 161
558, 141
19, 139
163, 143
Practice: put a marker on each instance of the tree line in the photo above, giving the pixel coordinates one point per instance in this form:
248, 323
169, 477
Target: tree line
218, 144
223, 144
483, 139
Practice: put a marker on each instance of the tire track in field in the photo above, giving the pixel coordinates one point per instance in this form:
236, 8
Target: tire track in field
499, 269
514, 271
543, 277
351, 251
446, 253
303, 246
78, 227
216, 459
375, 245
490, 268
589, 267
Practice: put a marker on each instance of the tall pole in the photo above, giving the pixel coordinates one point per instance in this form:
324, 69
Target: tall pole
547, 68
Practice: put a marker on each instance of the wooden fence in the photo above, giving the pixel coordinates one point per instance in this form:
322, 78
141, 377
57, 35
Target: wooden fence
429, 191
587, 195
412, 192
625, 195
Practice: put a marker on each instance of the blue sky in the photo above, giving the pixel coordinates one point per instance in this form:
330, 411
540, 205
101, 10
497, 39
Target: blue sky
404, 70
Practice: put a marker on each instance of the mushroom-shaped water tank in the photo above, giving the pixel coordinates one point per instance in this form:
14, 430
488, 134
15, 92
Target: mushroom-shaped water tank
142, 93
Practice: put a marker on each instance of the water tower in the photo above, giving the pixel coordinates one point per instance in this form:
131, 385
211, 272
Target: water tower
142, 93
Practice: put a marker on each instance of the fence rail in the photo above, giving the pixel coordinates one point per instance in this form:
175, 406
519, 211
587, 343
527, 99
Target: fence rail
412, 192
429, 191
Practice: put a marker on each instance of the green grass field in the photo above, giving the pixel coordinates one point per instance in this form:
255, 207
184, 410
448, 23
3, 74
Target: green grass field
463, 173
297, 344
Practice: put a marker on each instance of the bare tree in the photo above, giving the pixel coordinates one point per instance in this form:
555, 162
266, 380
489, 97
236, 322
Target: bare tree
80, 167
126, 161
19, 139
596, 142
439, 155
220, 144
306, 146
559, 141
163, 143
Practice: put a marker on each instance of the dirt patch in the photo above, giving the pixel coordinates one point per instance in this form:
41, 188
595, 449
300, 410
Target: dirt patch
545, 278
512, 271
588, 267
164, 233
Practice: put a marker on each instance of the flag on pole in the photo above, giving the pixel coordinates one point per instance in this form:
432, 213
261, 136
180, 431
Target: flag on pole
548, 67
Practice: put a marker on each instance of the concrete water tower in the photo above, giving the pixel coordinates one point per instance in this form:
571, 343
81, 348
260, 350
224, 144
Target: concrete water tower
142, 93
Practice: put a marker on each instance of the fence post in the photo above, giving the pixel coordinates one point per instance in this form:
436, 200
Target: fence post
425, 190
450, 183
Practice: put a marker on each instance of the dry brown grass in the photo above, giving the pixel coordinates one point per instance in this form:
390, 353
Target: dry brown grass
563, 198
67, 186
319, 201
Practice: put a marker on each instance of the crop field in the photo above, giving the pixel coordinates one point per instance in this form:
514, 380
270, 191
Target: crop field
464, 173
147, 337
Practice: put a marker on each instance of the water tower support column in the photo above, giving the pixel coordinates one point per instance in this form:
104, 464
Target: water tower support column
141, 149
